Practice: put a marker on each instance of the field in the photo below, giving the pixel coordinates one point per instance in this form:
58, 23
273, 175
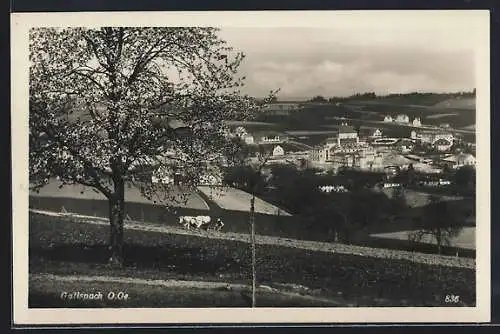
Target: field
233, 208
314, 122
456, 116
416, 199
466, 239
132, 195
227, 198
440, 115
256, 126
238, 200
463, 103
340, 275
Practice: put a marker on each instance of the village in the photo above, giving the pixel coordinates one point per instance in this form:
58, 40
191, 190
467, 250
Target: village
429, 150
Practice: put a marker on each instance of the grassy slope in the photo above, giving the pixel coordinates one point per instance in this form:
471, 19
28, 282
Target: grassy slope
460, 113
68, 248
45, 294
236, 199
466, 239
314, 116
310, 121
235, 220
132, 195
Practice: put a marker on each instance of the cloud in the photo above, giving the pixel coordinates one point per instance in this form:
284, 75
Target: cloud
304, 62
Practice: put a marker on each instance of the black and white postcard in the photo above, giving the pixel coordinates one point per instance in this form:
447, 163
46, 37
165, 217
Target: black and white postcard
251, 167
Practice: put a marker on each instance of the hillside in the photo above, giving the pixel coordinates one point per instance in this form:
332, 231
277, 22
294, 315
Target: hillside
461, 103
309, 124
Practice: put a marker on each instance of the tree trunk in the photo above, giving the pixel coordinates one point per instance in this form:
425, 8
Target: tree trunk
116, 215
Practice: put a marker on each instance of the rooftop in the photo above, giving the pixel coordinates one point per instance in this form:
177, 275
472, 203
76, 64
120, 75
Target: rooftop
260, 134
458, 157
442, 141
346, 129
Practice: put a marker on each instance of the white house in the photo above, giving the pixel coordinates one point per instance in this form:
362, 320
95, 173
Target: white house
377, 133
391, 185
466, 160
402, 118
248, 139
347, 135
416, 122
278, 151
460, 160
443, 144
369, 132
329, 189
269, 137
388, 119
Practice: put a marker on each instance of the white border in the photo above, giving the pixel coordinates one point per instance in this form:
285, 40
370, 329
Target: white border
20, 24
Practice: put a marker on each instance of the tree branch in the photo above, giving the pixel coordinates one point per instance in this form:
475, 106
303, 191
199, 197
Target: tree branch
101, 87
89, 167
96, 53
141, 63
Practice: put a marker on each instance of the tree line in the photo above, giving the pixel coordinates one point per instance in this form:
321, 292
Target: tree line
373, 95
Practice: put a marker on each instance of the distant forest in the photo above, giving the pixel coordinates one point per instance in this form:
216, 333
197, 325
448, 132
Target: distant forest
374, 96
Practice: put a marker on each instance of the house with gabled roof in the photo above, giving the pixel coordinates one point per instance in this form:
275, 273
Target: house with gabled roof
369, 132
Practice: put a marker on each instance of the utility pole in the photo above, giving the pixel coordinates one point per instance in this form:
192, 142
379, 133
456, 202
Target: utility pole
252, 235
255, 183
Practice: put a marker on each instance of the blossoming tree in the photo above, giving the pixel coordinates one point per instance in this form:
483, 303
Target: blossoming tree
105, 103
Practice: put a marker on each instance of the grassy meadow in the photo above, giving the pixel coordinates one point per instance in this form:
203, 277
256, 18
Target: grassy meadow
62, 246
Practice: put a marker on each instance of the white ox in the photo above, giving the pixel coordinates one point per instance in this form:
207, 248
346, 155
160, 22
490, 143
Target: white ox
195, 221
200, 221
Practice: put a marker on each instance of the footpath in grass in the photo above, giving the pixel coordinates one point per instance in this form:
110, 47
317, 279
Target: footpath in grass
48, 290
64, 247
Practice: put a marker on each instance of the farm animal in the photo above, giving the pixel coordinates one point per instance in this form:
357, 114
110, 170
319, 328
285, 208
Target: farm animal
195, 221
216, 225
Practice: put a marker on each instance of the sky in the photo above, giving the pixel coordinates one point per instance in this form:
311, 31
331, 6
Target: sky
382, 56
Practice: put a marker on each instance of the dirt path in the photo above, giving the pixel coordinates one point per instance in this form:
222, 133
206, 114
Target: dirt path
433, 259
179, 284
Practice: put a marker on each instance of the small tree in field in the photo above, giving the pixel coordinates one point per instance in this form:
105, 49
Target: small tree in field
439, 221
109, 101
